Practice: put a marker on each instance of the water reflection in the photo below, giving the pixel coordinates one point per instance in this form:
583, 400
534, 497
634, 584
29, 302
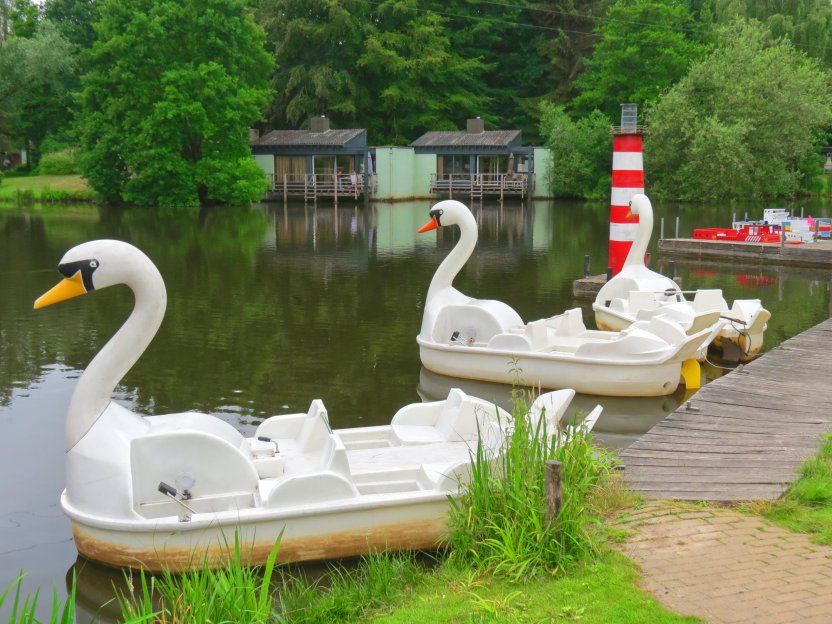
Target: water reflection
273, 306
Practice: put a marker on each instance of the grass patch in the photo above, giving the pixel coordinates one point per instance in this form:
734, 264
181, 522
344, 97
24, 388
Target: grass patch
596, 593
807, 505
379, 581
46, 188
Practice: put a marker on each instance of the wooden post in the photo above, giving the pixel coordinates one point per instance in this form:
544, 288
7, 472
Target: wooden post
450, 186
285, 189
502, 185
335, 180
554, 489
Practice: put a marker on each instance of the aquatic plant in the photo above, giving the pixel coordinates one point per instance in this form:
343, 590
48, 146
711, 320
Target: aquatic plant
25, 612
499, 522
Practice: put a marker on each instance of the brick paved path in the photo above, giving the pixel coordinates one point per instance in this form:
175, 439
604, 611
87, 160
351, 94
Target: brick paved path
725, 566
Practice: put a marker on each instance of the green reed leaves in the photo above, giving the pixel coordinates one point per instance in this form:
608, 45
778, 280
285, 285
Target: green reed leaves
499, 522
24, 608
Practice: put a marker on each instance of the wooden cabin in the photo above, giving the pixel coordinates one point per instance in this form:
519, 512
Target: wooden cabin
315, 163
477, 162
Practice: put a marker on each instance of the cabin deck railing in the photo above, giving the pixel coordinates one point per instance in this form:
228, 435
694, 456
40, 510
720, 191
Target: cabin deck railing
314, 185
479, 184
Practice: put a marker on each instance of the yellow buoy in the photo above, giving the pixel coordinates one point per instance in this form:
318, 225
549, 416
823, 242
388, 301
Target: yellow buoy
692, 375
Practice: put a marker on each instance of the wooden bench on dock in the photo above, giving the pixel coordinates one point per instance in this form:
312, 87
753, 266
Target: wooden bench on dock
742, 436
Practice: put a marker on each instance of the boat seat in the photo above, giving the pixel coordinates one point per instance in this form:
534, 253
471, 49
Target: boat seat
551, 406
571, 323
668, 330
301, 431
219, 469
641, 299
456, 421
465, 324
512, 342
537, 333
708, 299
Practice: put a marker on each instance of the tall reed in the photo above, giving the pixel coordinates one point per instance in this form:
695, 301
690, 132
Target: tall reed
499, 522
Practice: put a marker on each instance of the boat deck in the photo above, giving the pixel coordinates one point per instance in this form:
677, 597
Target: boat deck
742, 436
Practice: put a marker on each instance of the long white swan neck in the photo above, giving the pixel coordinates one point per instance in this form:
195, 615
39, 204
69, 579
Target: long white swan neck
456, 259
643, 233
96, 385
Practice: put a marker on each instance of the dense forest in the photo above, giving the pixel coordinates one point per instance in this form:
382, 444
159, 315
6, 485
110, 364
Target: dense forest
152, 99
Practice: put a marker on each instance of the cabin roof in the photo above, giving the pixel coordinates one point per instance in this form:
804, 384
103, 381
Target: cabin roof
298, 138
461, 138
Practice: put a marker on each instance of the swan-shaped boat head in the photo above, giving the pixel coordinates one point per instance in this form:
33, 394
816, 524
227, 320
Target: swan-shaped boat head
92, 266
446, 309
634, 275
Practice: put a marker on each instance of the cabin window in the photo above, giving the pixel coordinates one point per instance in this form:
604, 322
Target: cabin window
453, 163
492, 164
293, 167
343, 163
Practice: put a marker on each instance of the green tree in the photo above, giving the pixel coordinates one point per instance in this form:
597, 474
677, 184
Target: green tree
171, 88
316, 46
580, 152
504, 39
74, 19
567, 39
646, 46
806, 23
419, 82
32, 70
18, 18
742, 123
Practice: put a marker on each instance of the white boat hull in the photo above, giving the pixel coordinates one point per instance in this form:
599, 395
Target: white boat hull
626, 379
333, 532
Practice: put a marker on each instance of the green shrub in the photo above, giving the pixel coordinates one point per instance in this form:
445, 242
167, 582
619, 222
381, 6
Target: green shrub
18, 171
62, 162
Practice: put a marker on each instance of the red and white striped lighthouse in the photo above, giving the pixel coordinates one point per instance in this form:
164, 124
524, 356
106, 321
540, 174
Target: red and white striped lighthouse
627, 180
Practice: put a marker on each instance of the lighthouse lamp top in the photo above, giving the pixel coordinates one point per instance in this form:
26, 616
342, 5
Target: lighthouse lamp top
629, 120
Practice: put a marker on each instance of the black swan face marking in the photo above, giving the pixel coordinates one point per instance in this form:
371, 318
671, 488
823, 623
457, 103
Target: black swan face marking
85, 267
437, 214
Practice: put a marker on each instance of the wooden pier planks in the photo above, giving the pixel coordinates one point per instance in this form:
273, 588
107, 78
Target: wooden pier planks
817, 254
742, 436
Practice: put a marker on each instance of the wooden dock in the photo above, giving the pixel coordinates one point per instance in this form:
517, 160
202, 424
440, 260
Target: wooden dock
742, 436
817, 254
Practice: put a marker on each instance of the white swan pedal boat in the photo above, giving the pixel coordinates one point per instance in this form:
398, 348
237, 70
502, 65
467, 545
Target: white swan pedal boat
175, 491
637, 294
487, 340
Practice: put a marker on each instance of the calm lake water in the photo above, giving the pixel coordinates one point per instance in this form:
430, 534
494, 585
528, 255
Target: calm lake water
273, 306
